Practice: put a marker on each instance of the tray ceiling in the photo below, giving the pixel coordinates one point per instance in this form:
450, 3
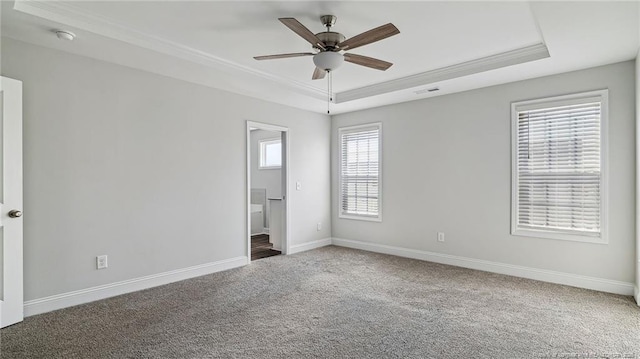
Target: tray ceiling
440, 44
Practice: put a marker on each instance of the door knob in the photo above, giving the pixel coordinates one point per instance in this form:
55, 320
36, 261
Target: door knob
14, 213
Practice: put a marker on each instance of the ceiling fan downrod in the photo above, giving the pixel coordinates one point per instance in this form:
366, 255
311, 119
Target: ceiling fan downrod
329, 39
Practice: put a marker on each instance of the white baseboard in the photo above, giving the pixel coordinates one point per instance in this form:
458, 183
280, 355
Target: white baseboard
64, 300
574, 280
297, 248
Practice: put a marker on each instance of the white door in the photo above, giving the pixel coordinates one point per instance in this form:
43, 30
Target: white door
11, 296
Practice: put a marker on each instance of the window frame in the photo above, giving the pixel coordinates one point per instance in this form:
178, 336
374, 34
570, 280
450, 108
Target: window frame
582, 97
262, 154
352, 129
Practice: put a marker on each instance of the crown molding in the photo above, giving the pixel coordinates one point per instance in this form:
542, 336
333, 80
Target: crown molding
71, 15
514, 57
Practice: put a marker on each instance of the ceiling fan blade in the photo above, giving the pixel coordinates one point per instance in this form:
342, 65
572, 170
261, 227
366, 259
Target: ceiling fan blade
318, 74
302, 30
282, 56
367, 61
373, 35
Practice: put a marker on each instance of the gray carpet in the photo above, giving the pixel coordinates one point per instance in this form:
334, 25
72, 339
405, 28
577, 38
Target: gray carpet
339, 303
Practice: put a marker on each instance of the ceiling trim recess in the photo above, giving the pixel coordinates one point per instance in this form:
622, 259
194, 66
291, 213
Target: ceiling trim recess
70, 15
509, 58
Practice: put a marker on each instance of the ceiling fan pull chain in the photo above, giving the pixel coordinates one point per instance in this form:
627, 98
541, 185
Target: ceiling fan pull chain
330, 86
328, 92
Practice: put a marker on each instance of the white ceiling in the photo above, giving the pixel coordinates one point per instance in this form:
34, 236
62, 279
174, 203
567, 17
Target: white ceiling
455, 46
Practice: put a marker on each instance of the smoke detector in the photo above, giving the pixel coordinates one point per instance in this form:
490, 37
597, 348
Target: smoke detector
65, 35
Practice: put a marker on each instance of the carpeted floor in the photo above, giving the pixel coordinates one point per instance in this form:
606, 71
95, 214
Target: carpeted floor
339, 303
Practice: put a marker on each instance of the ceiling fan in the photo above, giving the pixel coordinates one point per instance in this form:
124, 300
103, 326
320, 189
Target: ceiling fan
329, 46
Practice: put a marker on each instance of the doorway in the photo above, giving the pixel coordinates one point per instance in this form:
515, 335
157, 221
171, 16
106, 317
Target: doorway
267, 190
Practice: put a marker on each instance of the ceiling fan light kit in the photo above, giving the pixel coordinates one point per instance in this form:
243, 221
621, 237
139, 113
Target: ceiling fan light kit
328, 60
330, 47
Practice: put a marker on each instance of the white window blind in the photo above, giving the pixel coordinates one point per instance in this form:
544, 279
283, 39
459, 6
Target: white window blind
360, 172
559, 179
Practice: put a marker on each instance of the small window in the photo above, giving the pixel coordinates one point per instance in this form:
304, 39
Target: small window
360, 172
270, 154
559, 162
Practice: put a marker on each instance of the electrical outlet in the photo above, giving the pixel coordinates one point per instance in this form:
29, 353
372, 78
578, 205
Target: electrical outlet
101, 262
440, 236
319, 227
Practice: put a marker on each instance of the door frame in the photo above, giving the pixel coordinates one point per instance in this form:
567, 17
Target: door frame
285, 171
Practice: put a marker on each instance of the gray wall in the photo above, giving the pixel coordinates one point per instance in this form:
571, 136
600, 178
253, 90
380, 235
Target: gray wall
146, 169
446, 167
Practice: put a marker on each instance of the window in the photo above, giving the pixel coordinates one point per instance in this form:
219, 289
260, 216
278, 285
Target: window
360, 182
270, 154
559, 167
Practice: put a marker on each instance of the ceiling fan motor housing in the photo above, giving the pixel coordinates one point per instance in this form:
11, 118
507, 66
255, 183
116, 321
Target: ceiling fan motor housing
330, 39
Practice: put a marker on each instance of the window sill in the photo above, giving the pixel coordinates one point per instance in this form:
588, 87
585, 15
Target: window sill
558, 236
360, 218
270, 168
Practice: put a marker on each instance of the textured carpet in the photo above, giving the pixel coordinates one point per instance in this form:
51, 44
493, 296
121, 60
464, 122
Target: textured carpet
339, 303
